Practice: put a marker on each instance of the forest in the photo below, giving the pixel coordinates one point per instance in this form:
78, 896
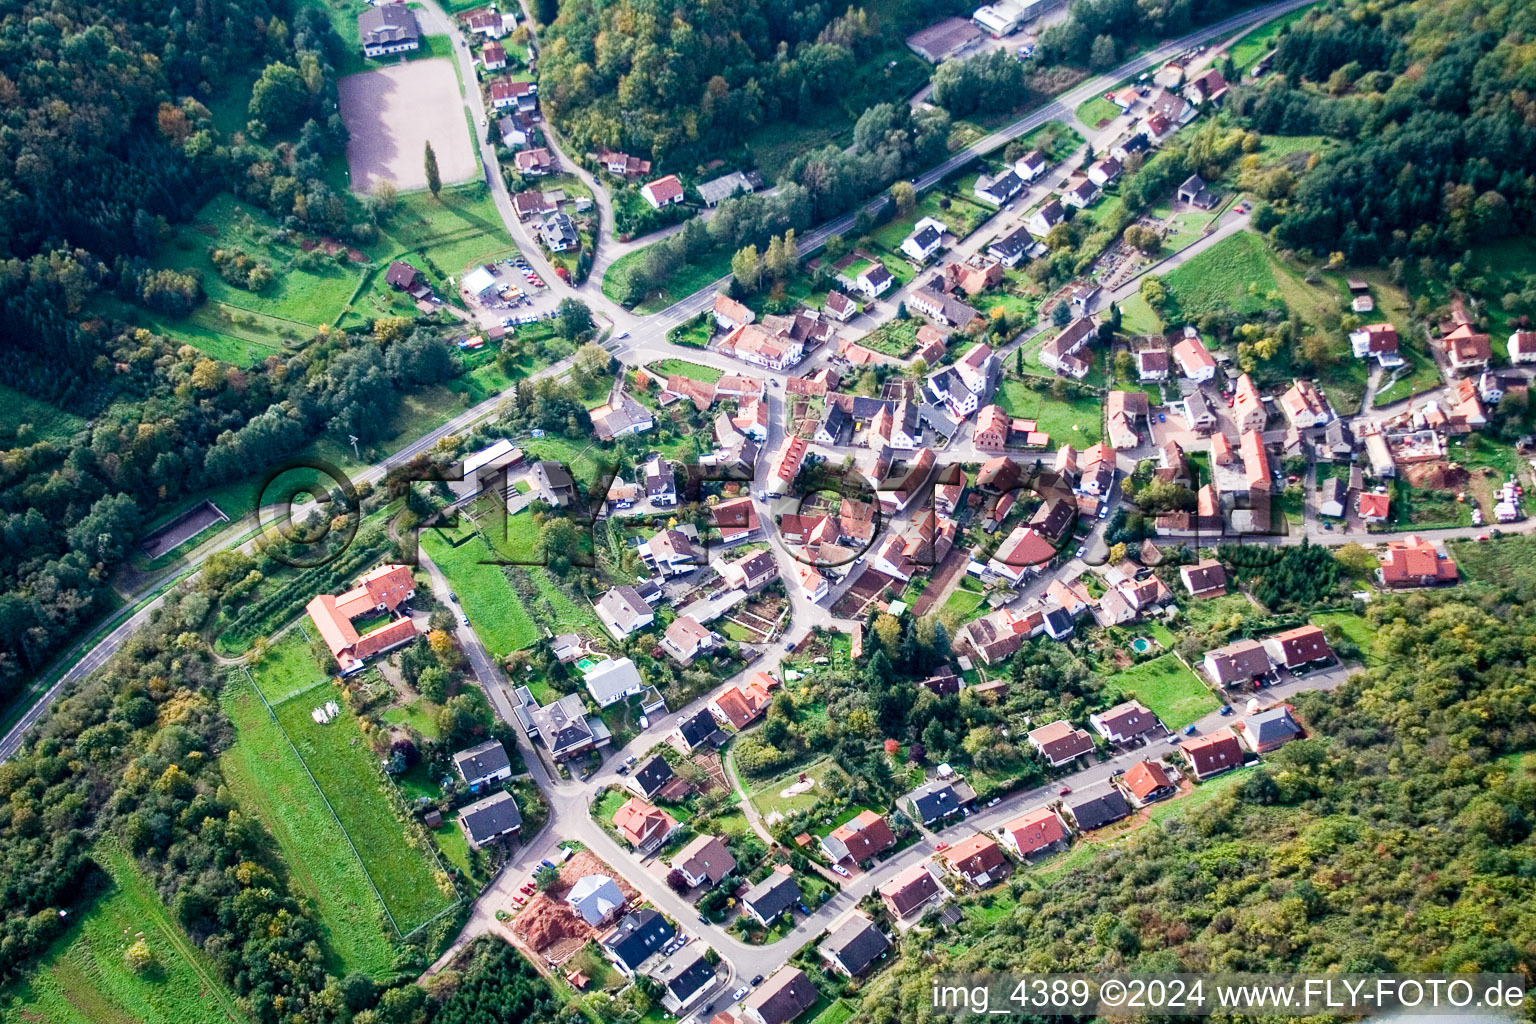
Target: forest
680, 85
1397, 837
1433, 99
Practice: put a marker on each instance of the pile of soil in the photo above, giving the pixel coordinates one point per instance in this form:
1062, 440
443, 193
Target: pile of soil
1435, 476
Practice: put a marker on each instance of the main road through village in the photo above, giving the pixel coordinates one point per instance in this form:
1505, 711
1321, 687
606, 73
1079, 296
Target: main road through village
637, 340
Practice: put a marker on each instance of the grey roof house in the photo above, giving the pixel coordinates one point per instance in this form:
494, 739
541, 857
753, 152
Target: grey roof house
495, 816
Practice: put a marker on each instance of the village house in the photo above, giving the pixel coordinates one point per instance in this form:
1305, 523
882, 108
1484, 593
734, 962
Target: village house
1011, 248
1211, 755
671, 553
1294, 648
859, 839
927, 238
612, 680
704, 861
636, 938
1206, 578
686, 638
1060, 742
1031, 165
663, 191
1147, 782
643, 826
1080, 194
739, 707
1376, 341
782, 998
1415, 562
1035, 832
1152, 364
387, 29
1304, 407
979, 860
1466, 350
1248, 410
766, 901
623, 612
622, 165
533, 162
489, 819
1125, 722
1269, 729
1194, 359
1047, 216
595, 898
1522, 347
384, 590
909, 892
1097, 806
493, 57
938, 799
853, 946
1061, 353
1237, 663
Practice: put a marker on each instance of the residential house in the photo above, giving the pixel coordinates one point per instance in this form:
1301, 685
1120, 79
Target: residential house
1000, 189
1338, 444
506, 95
1035, 832
671, 553
1304, 407
559, 234
612, 680
1097, 466
853, 946
1122, 411
1194, 359
1125, 722
1333, 497
1031, 165
534, 203
812, 581
1053, 519
783, 997
751, 572
1080, 194
1466, 350
596, 898
979, 860
859, 839
741, 707
698, 730
493, 57
1522, 347
998, 635
562, 726
684, 978
874, 280
1061, 353
992, 429
1104, 170
1152, 364
489, 819
1213, 754
486, 23
1047, 216
532, 163
384, 590
841, 306
636, 938
1011, 248
1248, 410
623, 612
933, 300
621, 418
387, 29
938, 799
551, 483
663, 191
1269, 729
1147, 782
403, 277
1130, 146
1206, 578
1415, 562
1207, 87
1376, 341
1097, 806
660, 482
736, 520
766, 901
731, 314
686, 638
1239, 662
483, 763
1256, 469
1024, 553
622, 165
704, 861
927, 238
1060, 742
1198, 414
912, 890
1293, 648
757, 344
1195, 192
643, 825
935, 44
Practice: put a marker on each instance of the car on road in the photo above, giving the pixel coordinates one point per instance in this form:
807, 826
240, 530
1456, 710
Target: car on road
1226, 709
941, 848
703, 919
1189, 730
789, 645
994, 801
1082, 550
621, 335
463, 620
1064, 790
757, 980
1103, 511
452, 596
840, 870
1175, 739
622, 769
1117, 773
740, 994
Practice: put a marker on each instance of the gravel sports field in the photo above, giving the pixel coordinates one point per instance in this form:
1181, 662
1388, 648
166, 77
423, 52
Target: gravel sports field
392, 113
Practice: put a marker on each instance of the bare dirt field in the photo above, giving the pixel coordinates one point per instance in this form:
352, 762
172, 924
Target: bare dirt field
393, 113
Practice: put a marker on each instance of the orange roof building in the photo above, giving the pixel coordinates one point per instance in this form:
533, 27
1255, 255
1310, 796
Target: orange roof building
1034, 831
1415, 562
384, 589
643, 824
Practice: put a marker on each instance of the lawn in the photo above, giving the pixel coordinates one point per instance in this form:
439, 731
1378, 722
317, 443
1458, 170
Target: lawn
1169, 689
287, 667
691, 277
693, 371
1136, 317
1232, 275
83, 980
41, 420
267, 779
1356, 629
1261, 40
444, 237
961, 603
1091, 112
1074, 421
494, 610
769, 797
348, 774
961, 216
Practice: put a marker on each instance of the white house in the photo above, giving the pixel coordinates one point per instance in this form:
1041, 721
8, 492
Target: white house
1031, 165
927, 238
611, 681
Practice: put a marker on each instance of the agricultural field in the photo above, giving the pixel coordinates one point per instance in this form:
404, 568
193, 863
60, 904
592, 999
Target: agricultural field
267, 778
83, 979
1171, 690
497, 616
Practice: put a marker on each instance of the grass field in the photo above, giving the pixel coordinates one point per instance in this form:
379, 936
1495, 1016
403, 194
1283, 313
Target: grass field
961, 603
1136, 317
44, 420
1261, 40
1234, 274
497, 616
83, 980
1356, 628
693, 371
339, 758
1074, 421
689, 279
767, 798
1169, 689
1510, 559
267, 779
961, 217
287, 667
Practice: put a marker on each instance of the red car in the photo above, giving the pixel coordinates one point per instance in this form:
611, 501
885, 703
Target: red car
1064, 790
941, 848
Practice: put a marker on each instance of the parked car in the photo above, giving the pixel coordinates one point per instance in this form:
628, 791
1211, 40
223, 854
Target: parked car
740, 993
757, 980
840, 870
1189, 730
941, 848
621, 335
1064, 790
463, 620
1117, 773
1226, 709
703, 919
622, 769
631, 759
